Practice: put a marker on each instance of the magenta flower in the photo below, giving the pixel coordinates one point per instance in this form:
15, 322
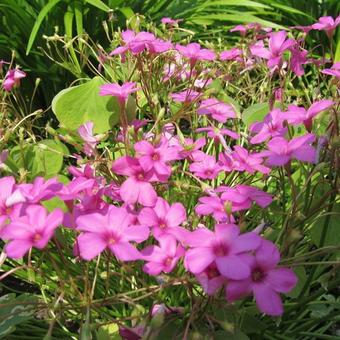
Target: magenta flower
225, 247
214, 205
327, 24
242, 160
40, 189
299, 115
190, 149
277, 45
216, 109
333, 71
210, 279
164, 219
193, 52
187, 96
170, 22
34, 229
112, 230
11, 198
156, 158
206, 168
240, 28
280, 151
86, 133
298, 58
12, 78
163, 258
75, 189
272, 126
137, 187
266, 281
121, 92
232, 54
217, 134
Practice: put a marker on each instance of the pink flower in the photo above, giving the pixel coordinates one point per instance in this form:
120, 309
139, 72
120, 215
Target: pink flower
225, 247
266, 281
327, 24
110, 230
272, 126
218, 110
215, 206
163, 258
137, 188
280, 151
206, 168
298, 58
121, 92
217, 134
170, 22
34, 229
190, 149
164, 219
333, 71
12, 79
75, 189
210, 279
297, 115
157, 157
11, 198
242, 160
86, 133
277, 45
187, 96
240, 28
193, 52
40, 189
232, 54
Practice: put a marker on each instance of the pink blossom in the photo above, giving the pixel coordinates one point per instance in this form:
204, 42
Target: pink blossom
137, 187
194, 53
86, 133
187, 96
164, 219
170, 22
218, 134
272, 126
277, 45
240, 28
216, 109
225, 247
121, 92
333, 71
210, 279
11, 198
40, 189
157, 157
243, 160
206, 167
34, 229
112, 230
327, 24
232, 54
12, 78
299, 115
266, 281
298, 58
75, 189
191, 149
281, 151
162, 258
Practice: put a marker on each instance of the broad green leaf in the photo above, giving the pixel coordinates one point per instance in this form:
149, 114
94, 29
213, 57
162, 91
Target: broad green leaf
99, 4
302, 278
43, 13
79, 104
127, 12
337, 51
238, 3
255, 113
48, 158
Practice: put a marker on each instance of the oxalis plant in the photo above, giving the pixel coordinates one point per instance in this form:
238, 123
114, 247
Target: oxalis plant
196, 195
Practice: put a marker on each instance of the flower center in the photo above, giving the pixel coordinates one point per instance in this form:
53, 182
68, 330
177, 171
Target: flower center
258, 275
162, 225
155, 157
168, 261
37, 237
208, 172
111, 241
212, 272
140, 177
220, 250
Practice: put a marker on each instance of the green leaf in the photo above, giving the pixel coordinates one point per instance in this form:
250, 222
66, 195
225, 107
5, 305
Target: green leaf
302, 278
48, 158
15, 313
99, 4
79, 104
245, 3
224, 335
45, 10
255, 113
337, 51
127, 12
